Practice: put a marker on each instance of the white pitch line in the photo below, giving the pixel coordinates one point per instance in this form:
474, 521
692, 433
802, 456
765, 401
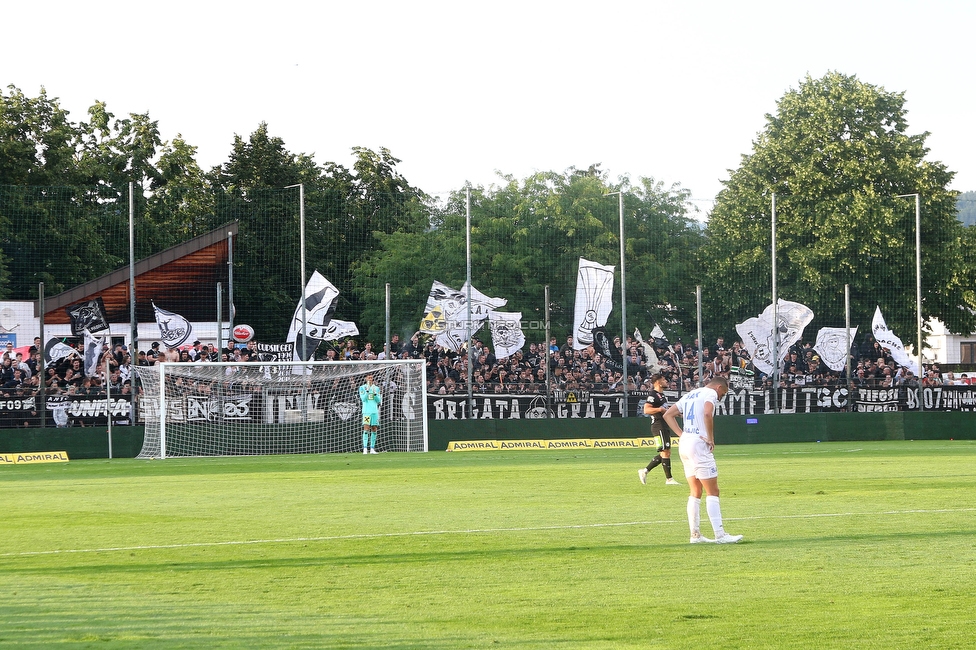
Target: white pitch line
470, 531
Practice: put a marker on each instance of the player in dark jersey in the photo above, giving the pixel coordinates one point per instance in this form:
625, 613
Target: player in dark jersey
655, 406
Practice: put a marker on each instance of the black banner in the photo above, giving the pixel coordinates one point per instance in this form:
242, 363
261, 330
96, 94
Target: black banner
807, 399
65, 411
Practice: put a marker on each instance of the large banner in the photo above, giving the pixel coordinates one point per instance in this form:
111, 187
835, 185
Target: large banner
594, 300
808, 399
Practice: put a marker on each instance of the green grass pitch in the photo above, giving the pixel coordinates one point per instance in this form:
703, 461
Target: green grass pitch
847, 545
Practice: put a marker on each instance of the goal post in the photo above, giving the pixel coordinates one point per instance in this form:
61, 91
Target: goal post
288, 407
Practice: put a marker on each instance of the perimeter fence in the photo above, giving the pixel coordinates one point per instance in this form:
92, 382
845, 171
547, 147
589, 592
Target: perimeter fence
680, 299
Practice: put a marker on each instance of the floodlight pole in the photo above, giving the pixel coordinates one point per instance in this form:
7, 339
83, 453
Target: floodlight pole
41, 369
132, 277
918, 286
623, 294
230, 290
775, 314
467, 259
548, 358
847, 337
301, 289
133, 324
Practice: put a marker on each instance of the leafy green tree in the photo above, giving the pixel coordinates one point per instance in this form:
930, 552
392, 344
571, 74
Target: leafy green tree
252, 188
180, 205
357, 207
528, 234
37, 141
836, 154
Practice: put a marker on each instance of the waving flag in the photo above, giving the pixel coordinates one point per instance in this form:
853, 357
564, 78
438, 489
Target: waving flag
88, 316
653, 363
833, 344
55, 350
594, 300
887, 339
174, 330
446, 313
338, 329
506, 333
318, 303
760, 335
93, 347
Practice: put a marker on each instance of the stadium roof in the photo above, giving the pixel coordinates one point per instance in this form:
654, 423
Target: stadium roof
181, 279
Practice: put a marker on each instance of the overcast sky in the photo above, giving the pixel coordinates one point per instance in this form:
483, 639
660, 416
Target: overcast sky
672, 90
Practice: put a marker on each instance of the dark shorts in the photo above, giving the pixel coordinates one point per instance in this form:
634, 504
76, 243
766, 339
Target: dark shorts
662, 433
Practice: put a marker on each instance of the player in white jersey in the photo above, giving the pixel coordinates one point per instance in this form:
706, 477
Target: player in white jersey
697, 411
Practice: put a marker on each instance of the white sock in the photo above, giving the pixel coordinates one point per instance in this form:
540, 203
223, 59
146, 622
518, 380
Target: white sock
714, 515
694, 515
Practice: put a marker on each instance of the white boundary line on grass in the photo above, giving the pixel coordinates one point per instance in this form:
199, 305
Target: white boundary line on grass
470, 531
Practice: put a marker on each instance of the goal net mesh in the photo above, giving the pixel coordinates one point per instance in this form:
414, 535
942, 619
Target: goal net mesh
236, 409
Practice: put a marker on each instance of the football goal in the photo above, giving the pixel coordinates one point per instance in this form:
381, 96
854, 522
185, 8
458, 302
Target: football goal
301, 407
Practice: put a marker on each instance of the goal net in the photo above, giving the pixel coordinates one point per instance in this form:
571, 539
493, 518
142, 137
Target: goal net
236, 409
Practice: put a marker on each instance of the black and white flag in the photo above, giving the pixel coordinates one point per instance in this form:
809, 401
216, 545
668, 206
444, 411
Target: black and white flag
760, 335
506, 333
604, 345
834, 345
88, 316
446, 314
653, 363
93, 348
888, 339
594, 300
312, 316
339, 329
55, 350
174, 330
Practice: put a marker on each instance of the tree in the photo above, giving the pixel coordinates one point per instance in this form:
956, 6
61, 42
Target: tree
180, 205
37, 141
529, 234
836, 154
252, 188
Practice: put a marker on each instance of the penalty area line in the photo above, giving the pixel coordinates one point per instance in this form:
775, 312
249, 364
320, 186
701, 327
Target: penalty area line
469, 531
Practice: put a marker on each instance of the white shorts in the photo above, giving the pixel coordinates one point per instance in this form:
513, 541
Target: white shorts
696, 458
